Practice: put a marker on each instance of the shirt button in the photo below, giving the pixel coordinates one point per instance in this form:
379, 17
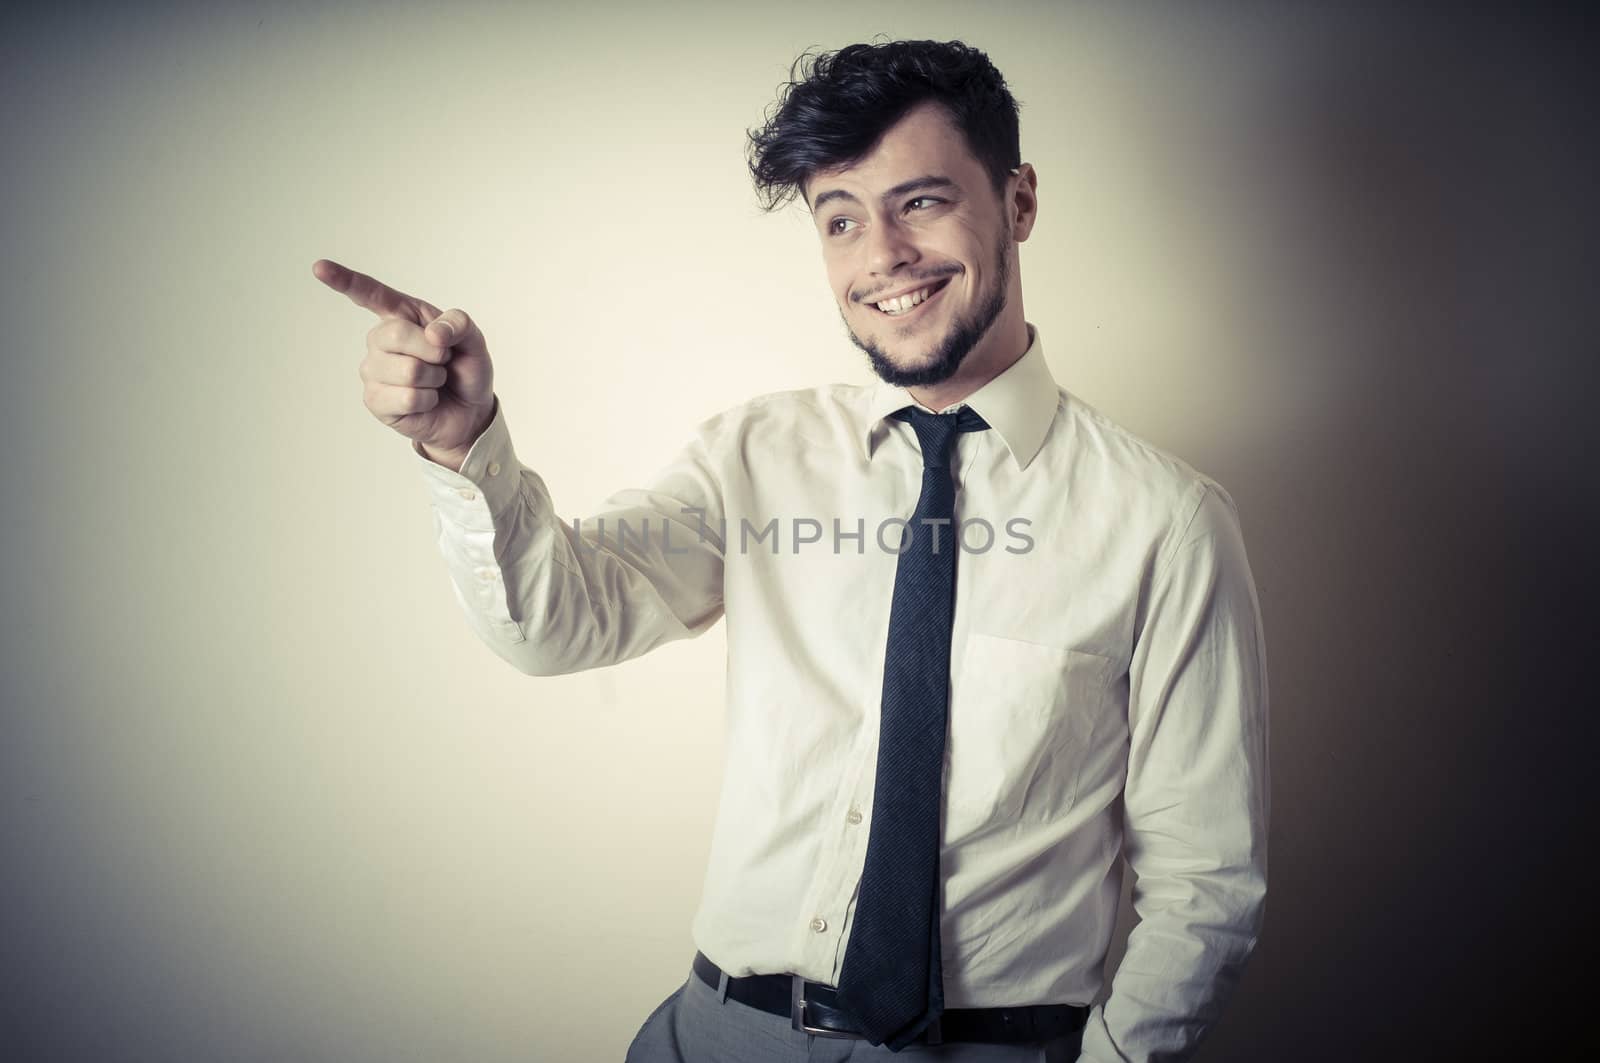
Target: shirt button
487, 574
468, 494
494, 468
853, 816
819, 924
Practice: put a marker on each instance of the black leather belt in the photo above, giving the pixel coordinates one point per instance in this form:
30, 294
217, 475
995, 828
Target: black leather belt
810, 1008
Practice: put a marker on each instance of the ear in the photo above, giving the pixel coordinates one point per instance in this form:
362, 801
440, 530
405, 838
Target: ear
1023, 204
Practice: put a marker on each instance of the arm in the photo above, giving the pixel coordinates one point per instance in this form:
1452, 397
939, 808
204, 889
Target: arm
1196, 799
547, 596
551, 600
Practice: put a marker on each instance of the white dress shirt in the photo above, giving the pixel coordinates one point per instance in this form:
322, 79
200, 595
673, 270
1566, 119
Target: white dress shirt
1108, 684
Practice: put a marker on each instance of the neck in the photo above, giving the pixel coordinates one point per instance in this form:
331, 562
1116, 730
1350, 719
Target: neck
999, 349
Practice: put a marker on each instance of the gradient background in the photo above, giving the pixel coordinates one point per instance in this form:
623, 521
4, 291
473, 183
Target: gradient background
263, 796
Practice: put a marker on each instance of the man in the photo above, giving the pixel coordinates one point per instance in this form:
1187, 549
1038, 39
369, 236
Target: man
981, 640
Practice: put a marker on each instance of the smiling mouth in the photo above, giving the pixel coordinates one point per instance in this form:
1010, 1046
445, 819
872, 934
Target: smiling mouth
902, 305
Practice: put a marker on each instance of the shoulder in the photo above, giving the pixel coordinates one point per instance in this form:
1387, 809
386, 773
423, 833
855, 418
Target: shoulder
776, 416
1134, 476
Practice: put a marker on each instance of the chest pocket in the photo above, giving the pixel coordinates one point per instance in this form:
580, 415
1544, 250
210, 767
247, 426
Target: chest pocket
1022, 716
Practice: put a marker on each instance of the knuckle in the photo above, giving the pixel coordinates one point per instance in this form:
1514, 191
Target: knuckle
390, 333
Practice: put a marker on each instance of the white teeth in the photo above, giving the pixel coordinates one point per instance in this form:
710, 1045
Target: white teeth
900, 304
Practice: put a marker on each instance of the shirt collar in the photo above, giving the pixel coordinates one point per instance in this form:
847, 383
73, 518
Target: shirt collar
1019, 404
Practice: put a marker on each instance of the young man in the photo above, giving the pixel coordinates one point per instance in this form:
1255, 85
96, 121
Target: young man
981, 640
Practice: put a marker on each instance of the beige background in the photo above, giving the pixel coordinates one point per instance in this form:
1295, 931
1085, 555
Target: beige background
262, 794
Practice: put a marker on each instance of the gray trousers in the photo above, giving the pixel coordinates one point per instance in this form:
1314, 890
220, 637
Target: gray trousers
698, 1024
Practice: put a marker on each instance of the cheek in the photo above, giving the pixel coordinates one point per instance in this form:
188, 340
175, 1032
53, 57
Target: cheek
969, 246
839, 279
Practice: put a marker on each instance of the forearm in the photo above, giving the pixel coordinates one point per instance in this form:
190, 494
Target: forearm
1196, 803
552, 597
1184, 959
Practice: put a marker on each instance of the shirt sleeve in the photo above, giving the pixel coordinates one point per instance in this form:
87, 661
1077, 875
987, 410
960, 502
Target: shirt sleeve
553, 596
1196, 800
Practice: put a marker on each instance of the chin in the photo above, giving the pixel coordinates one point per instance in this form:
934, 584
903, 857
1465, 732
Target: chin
906, 356
922, 370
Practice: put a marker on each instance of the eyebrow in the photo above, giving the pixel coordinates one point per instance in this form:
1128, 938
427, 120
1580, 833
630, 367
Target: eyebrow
916, 184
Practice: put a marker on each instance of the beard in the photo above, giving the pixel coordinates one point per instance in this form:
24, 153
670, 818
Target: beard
963, 335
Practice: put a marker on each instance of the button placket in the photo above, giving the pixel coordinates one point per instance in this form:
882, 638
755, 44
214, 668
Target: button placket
837, 876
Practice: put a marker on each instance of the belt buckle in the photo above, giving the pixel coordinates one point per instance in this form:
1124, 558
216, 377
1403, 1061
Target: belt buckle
797, 1013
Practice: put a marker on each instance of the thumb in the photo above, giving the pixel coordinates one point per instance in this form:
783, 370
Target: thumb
454, 328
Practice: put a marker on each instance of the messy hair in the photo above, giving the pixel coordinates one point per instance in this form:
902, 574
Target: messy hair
836, 106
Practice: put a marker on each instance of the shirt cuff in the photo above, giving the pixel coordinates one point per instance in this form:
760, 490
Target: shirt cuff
489, 483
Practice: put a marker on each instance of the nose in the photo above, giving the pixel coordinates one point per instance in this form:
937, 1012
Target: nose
889, 247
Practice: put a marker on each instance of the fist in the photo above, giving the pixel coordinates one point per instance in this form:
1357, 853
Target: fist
426, 373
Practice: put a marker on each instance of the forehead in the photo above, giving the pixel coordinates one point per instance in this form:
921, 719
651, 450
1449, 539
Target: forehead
923, 141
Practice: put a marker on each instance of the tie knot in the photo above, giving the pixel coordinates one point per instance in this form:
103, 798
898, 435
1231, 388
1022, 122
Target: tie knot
936, 432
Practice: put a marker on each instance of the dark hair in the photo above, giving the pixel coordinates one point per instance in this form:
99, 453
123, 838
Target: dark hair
832, 113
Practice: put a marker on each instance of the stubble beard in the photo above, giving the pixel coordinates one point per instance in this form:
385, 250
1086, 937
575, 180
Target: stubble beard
957, 343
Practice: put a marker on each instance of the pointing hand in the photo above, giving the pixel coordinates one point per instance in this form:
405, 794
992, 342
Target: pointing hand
428, 374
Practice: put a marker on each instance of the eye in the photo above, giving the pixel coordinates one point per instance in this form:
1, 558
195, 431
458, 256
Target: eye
924, 199
833, 226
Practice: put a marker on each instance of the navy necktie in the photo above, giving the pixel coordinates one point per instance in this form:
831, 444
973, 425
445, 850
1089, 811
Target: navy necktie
891, 982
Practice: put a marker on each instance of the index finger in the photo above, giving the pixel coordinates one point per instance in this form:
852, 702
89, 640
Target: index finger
366, 292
